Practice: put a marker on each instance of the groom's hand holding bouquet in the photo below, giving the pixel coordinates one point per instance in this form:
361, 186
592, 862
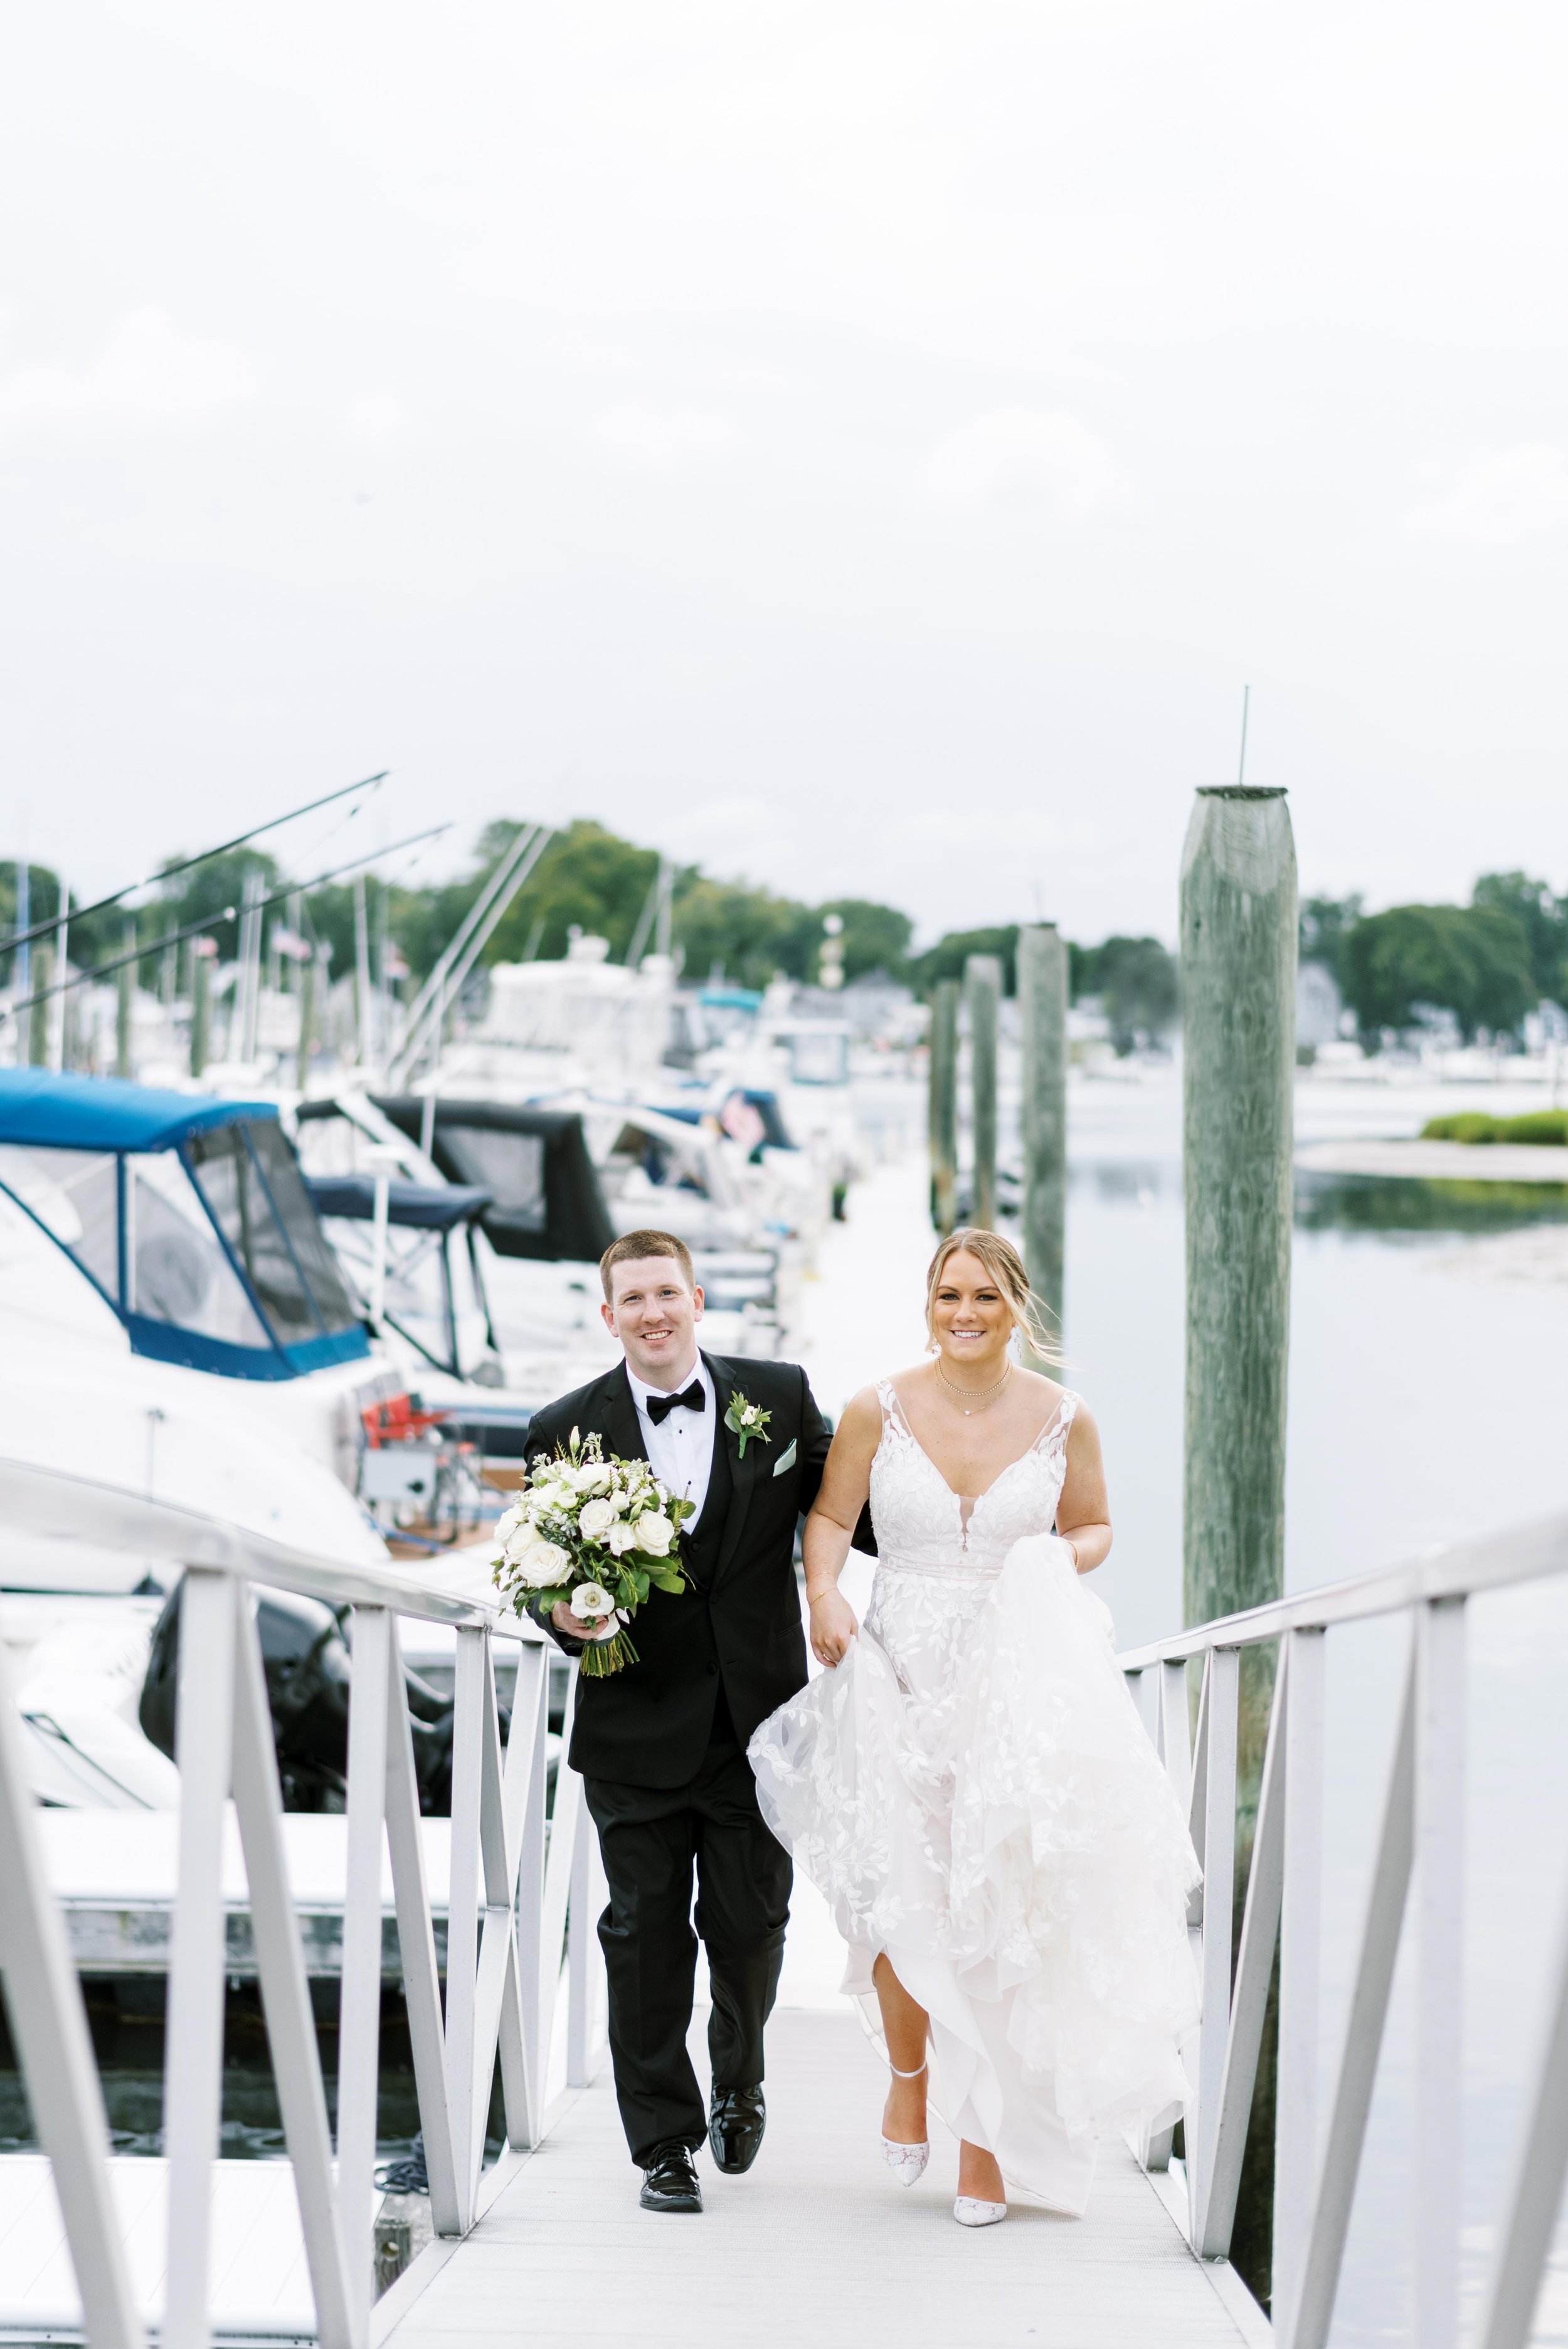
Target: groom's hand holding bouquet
585, 1541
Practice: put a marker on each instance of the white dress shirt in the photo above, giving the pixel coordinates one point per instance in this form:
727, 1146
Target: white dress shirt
680, 1448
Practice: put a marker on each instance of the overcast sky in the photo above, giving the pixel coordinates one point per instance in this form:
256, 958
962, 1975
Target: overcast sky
866, 447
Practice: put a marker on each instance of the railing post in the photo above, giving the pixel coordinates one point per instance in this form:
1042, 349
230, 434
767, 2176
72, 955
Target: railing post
1300, 1927
1308, 2319
359, 2007
285, 1993
1219, 1892
463, 1908
582, 1954
1535, 2195
417, 1947
1176, 1734
49, 2024
193, 2055
526, 1751
1144, 1691
1225, 2142
1173, 1740
1439, 1961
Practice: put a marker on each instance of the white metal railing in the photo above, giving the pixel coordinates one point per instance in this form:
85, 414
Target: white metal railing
513, 1888
1420, 1842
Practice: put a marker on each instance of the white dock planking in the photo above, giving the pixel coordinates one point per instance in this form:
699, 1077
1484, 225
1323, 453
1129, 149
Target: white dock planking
817, 2243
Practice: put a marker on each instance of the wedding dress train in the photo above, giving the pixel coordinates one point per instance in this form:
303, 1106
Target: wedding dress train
973, 1792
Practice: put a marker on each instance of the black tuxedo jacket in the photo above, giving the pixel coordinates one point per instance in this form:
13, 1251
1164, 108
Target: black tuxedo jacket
648, 1725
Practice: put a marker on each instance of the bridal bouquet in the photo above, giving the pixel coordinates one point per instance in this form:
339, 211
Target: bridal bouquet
600, 1533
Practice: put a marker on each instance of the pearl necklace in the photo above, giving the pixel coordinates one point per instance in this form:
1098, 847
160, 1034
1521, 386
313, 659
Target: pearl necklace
982, 1396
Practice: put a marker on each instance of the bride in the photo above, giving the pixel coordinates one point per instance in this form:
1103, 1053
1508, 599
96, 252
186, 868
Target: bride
969, 1785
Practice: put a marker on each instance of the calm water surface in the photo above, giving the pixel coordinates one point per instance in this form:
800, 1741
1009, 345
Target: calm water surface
1428, 1400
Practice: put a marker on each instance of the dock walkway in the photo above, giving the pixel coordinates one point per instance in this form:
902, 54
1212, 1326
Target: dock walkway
817, 2244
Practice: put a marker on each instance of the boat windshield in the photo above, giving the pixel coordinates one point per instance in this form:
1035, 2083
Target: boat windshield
208, 1248
508, 1165
175, 1267
260, 1205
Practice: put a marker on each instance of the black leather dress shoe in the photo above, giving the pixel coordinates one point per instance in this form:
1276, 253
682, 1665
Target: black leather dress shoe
736, 2120
669, 2178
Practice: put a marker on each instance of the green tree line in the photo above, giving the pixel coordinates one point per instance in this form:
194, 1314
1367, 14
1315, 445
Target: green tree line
587, 880
592, 881
1487, 963
1136, 981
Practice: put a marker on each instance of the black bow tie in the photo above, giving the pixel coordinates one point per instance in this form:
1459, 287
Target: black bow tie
660, 1406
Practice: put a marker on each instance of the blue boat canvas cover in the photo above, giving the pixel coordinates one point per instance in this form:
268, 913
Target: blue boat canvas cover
189, 1216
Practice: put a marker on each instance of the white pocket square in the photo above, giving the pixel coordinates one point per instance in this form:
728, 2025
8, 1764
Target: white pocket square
785, 1460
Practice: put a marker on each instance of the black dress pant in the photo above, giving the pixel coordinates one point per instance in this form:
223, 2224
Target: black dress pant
652, 1839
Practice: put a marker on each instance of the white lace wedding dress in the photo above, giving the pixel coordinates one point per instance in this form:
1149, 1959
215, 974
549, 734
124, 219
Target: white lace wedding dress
973, 1791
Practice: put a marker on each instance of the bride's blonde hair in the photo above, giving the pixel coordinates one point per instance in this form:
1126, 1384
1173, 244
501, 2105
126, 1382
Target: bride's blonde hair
1031, 1316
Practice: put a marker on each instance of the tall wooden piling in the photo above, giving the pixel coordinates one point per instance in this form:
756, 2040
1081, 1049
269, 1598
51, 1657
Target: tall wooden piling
983, 992
124, 1005
306, 1022
201, 1006
1043, 1022
944, 1103
1238, 975
41, 971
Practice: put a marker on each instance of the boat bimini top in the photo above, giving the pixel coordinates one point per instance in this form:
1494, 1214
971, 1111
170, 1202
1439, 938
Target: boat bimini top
188, 1216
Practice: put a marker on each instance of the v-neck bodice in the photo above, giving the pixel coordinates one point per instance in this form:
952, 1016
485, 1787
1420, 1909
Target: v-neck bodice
924, 1527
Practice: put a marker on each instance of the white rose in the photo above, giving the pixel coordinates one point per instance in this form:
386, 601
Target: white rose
585, 1478
595, 1519
618, 1503
590, 1602
506, 1523
541, 1564
518, 1542
654, 1534
620, 1539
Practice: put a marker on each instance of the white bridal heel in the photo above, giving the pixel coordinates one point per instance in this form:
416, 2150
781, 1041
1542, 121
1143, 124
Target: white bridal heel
905, 2161
970, 2211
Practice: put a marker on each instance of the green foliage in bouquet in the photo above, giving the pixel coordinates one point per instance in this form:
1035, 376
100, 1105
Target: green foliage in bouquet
600, 1533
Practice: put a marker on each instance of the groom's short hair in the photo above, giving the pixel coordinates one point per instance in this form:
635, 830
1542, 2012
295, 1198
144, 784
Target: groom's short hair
632, 1246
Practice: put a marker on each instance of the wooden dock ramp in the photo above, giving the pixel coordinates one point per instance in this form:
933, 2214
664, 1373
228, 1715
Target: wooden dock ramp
816, 2247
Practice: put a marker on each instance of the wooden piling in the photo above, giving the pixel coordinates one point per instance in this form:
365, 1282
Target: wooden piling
201, 1006
124, 1005
306, 1022
982, 991
41, 972
1043, 1020
944, 1103
1238, 973
1238, 976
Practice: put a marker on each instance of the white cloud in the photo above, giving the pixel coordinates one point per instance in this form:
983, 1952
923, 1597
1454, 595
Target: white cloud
970, 827
657, 439
380, 418
1503, 499
149, 374
722, 827
1013, 457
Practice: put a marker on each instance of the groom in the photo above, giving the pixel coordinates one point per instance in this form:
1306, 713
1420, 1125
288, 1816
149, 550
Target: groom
661, 1746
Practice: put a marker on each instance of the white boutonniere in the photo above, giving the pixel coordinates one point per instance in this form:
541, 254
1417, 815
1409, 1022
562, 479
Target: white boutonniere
746, 1422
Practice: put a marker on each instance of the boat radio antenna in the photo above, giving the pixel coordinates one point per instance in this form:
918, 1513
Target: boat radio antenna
80, 913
